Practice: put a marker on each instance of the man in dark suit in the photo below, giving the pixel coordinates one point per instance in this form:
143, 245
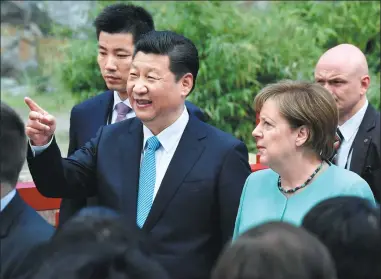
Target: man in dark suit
118, 27
343, 70
183, 188
21, 227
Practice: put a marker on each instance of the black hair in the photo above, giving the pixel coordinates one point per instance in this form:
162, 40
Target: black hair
275, 250
95, 243
124, 18
182, 53
13, 145
99, 260
350, 228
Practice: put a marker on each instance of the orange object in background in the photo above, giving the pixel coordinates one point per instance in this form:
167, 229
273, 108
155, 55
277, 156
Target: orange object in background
30, 194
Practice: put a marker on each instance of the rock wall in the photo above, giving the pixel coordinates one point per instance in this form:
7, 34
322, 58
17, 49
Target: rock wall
25, 32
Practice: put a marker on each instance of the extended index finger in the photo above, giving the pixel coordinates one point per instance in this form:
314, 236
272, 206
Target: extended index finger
33, 106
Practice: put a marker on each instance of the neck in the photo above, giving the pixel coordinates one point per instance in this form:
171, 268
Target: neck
158, 125
344, 117
123, 95
295, 174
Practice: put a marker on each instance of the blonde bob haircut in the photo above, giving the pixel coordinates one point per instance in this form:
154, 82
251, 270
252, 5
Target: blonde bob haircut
305, 103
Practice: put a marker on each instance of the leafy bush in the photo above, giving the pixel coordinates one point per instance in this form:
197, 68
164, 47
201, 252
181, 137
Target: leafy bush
242, 49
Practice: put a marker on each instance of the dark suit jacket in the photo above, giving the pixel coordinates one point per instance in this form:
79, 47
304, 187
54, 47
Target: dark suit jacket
366, 156
22, 229
194, 212
85, 120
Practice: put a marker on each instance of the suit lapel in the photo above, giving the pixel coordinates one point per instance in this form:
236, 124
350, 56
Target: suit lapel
131, 143
105, 107
97, 116
362, 141
186, 155
9, 214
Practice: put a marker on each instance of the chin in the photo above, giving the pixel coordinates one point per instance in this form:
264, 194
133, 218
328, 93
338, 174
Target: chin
144, 117
263, 160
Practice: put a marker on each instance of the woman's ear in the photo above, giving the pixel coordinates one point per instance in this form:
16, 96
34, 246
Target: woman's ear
302, 136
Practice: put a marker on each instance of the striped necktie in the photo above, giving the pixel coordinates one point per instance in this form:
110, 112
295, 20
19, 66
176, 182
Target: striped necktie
147, 180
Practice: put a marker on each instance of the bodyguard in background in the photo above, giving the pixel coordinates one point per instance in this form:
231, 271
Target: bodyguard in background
343, 70
118, 28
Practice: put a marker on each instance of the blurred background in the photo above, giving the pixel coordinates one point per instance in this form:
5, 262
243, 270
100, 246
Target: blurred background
49, 48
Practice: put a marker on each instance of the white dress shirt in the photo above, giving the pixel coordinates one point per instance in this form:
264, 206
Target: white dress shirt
7, 199
169, 139
118, 100
349, 130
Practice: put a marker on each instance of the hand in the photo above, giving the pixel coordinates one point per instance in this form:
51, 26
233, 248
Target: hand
41, 125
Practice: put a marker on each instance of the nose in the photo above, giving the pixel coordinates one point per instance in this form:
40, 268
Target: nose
257, 132
110, 64
139, 87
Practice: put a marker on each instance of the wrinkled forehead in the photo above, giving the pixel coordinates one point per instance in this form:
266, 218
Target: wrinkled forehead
329, 69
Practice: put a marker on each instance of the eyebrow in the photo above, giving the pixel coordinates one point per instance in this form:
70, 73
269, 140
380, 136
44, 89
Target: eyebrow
266, 118
117, 49
148, 70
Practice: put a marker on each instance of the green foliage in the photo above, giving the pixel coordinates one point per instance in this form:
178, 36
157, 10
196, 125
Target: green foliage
79, 71
353, 22
242, 49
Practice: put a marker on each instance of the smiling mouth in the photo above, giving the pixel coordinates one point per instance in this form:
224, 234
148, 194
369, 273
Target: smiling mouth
143, 103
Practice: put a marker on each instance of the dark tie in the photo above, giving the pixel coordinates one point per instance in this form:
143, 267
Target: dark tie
122, 109
338, 140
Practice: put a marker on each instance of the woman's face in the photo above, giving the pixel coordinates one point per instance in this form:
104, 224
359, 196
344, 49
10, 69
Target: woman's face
276, 141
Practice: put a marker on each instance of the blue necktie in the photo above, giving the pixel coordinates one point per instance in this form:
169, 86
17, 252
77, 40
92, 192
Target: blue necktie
147, 180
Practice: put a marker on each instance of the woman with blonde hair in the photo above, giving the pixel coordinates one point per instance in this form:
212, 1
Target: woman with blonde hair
295, 138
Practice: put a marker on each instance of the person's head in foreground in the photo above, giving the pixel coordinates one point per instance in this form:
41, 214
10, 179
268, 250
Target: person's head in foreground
13, 144
350, 228
275, 250
96, 243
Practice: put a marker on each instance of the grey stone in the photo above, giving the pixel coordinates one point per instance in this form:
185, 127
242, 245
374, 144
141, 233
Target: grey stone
73, 14
12, 87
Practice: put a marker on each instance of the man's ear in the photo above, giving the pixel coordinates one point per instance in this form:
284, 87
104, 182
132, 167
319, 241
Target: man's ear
186, 84
365, 83
302, 136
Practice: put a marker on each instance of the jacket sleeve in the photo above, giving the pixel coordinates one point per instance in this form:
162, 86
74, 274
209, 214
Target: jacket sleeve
73, 177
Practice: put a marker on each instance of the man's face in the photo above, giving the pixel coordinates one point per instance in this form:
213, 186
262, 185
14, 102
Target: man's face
346, 86
155, 96
114, 59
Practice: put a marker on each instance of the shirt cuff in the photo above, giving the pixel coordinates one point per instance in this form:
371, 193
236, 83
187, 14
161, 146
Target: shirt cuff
36, 150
